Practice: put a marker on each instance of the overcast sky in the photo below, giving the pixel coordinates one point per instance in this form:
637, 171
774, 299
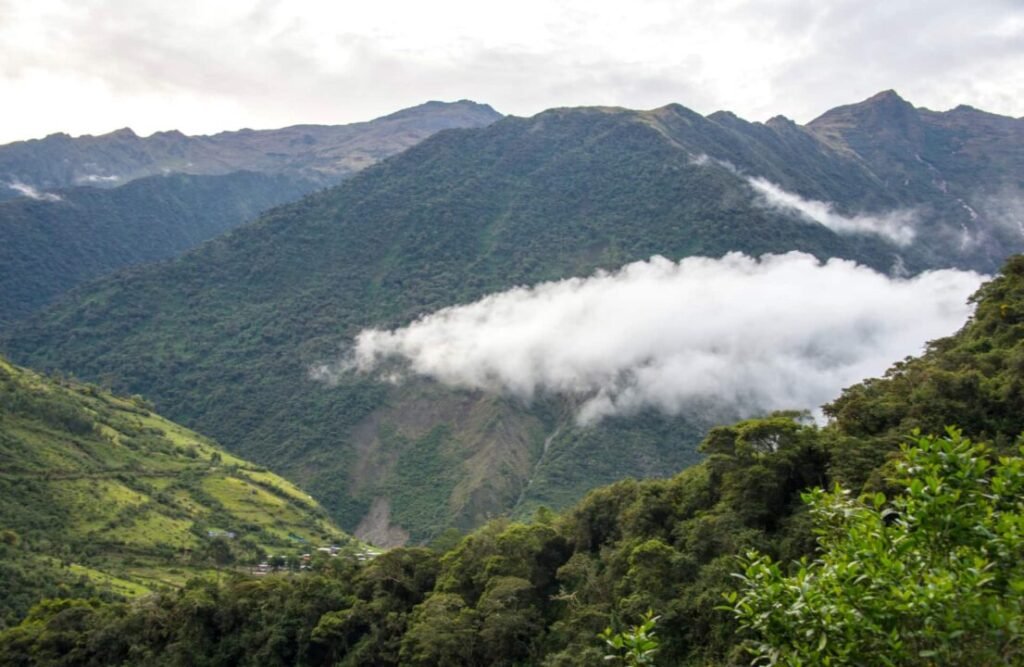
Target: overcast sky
90, 66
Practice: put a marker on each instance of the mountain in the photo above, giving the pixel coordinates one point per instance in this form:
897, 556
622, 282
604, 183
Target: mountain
100, 495
541, 592
224, 337
81, 208
50, 245
321, 153
964, 164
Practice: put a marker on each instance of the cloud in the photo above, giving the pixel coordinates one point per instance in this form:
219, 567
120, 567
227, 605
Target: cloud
896, 226
735, 335
30, 192
204, 67
97, 178
1004, 209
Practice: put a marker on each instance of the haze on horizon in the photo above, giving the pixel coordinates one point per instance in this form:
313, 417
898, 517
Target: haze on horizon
205, 67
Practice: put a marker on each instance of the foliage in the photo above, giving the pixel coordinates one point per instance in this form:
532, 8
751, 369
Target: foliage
635, 646
509, 593
932, 577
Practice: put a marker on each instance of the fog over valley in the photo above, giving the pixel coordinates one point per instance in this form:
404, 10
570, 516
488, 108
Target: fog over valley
735, 334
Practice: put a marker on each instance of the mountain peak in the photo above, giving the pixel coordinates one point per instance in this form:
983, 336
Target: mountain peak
885, 97
882, 110
123, 133
485, 111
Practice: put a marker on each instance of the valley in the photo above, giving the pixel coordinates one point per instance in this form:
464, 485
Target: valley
223, 338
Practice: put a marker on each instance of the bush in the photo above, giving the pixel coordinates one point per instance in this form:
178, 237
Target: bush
934, 577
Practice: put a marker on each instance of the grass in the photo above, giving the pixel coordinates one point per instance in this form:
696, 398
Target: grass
129, 498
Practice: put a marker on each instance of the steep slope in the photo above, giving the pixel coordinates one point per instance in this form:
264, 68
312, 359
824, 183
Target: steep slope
99, 494
48, 246
223, 338
321, 153
964, 165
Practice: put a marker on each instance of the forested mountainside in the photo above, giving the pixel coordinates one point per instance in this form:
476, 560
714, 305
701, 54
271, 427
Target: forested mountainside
100, 496
321, 153
51, 245
539, 593
222, 339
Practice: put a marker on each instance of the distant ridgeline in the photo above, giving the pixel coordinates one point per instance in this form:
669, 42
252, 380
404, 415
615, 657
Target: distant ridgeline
539, 593
84, 207
324, 154
222, 339
99, 496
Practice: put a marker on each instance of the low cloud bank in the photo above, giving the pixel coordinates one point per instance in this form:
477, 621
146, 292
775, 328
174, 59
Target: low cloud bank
736, 335
897, 226
28, 191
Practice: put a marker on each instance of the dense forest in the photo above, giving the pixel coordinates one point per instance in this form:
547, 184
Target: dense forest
907, 554
49, 246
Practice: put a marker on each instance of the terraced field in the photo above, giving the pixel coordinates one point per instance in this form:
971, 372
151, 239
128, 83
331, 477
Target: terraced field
99, 493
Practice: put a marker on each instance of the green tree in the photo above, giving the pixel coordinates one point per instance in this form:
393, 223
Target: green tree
935, 577
442, 632
636, 646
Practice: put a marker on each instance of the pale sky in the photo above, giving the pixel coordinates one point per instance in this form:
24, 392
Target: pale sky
91, 66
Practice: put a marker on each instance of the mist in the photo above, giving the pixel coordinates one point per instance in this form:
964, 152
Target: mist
896, 226
735, 335
28, 191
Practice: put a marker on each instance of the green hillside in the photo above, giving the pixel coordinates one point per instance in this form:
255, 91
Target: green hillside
223, 338
49, 247
98, 494
539, 593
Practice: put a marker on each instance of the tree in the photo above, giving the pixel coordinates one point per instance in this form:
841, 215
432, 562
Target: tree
636, 646
442, 631
934, 577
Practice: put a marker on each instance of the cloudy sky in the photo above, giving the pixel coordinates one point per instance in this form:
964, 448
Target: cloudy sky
90, 66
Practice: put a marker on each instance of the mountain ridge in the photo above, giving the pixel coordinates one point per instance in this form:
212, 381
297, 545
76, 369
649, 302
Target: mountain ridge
322, 153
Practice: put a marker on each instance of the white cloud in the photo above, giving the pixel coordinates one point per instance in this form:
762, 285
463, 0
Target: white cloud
203, 67
30, 192
895, 226
97, 178
734, 334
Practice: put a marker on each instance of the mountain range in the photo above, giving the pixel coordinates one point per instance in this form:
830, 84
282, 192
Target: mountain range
323, 154
73, 209
222, 338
